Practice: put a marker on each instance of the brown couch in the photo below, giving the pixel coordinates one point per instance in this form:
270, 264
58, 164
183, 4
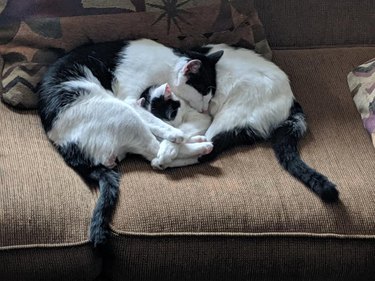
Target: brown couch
241, 217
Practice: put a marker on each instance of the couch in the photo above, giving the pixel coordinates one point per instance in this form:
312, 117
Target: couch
240, 217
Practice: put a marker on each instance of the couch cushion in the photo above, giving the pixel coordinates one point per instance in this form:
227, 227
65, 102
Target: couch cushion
36, 32
245, 196
45, 207
317, 23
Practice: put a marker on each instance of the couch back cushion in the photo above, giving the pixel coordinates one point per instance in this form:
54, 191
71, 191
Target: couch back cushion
35, 33
317, 23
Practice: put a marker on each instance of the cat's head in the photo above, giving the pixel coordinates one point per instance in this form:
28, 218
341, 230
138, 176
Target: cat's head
196, 79
161, 102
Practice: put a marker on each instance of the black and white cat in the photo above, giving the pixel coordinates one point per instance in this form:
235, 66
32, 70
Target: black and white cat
254, 102
163, 103
91, 127
251, 102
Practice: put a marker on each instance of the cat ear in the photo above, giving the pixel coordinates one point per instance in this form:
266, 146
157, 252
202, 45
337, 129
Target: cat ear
141, 102
191, 66
214, 57
167, 92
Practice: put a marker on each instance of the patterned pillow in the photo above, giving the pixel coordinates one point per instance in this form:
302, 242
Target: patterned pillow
362, 86
34, 33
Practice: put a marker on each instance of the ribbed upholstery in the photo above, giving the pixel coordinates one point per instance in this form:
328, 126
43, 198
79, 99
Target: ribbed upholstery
242, 216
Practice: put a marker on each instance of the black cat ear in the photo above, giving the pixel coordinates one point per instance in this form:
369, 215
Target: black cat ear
214, 57
192, 66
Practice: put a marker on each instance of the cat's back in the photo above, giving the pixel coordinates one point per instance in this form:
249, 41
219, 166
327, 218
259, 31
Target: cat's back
240, 62
147, 50
86, 65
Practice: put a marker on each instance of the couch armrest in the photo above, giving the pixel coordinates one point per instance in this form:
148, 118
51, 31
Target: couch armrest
316, 23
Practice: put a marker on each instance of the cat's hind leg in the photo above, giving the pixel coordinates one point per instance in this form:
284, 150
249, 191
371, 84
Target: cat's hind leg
158, 127
224, 136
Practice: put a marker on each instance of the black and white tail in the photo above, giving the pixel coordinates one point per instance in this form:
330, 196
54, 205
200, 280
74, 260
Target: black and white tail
108, 181
284, 141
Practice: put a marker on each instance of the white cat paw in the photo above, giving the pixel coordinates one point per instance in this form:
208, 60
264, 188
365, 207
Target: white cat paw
207, 148
157, 164
177, 136
197, 139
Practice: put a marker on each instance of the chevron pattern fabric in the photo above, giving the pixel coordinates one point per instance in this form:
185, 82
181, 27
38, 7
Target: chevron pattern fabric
19, 84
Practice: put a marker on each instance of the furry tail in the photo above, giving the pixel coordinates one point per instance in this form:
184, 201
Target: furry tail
108, 181
284, 141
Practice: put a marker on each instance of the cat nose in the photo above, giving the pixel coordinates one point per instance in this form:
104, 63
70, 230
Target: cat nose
204, 111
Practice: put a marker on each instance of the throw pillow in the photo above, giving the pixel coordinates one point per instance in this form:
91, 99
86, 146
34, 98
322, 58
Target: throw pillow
362, 86
34, 33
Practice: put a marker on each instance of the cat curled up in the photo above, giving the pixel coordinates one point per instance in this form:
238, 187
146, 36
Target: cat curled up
254, 102
250, 101
164, 104
91, 127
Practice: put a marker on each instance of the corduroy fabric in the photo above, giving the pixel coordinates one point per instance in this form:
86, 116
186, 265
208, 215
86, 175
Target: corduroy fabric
252, 216
317, 23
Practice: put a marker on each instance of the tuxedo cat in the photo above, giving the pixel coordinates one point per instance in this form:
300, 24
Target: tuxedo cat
254, 102
151, 63
90, 126
164, 104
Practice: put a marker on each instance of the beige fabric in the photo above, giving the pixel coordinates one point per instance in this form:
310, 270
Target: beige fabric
246, 191
42, 201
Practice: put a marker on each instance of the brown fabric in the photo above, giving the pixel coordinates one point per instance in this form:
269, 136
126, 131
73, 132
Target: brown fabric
42, 201
288, 23
240, 259
246, 191
35, 33
242, 217
78, 263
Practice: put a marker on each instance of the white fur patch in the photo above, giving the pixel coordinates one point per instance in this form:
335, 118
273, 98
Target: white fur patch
251, 91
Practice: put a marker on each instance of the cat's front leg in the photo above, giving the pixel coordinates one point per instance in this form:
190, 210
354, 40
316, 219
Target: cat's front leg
159, 128
167, 152
187, 154
168, 133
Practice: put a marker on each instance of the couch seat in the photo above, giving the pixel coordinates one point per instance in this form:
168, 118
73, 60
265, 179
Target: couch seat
45, 207
242, 216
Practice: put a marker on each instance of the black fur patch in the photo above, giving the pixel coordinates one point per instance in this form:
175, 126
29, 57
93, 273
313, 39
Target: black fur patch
108, 181
284, 141
161, 108
205, 80
229, 139
101, 59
